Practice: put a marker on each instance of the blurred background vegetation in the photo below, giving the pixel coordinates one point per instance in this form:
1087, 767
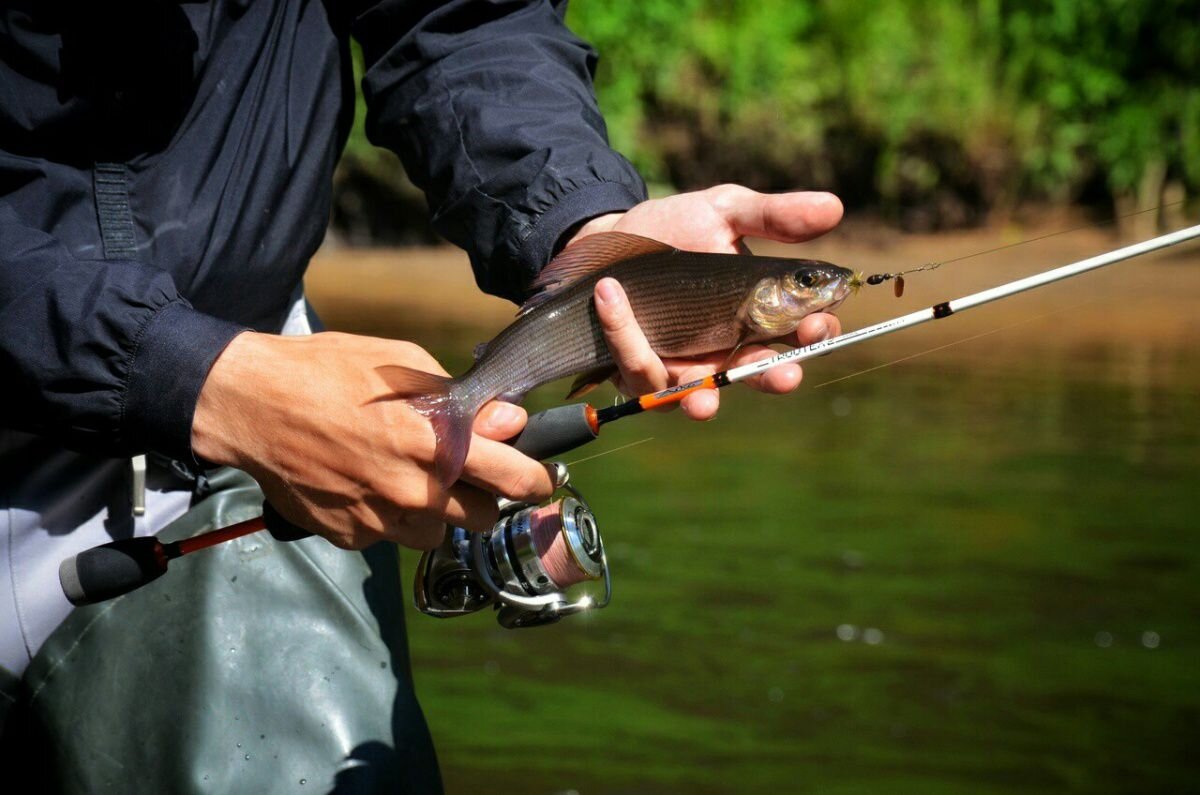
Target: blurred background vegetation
930, 114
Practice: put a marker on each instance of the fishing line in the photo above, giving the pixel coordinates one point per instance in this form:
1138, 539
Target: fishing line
880, 278
1094, 225
958, 342
610, 452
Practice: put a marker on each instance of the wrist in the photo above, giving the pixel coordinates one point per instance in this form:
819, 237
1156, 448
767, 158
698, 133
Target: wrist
223, 424
601, 223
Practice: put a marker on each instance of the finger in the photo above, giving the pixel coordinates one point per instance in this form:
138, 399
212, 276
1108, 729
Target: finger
498, 468
786, 217
499, 420
461, 505
776, 381
640, 368
701, 405
815, 328
417, 532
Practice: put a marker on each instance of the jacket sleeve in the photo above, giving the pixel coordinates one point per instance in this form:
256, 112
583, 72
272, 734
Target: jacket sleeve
490, 107
103, 356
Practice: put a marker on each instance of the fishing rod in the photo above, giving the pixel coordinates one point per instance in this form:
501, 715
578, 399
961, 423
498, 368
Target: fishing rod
524, 566
558, 430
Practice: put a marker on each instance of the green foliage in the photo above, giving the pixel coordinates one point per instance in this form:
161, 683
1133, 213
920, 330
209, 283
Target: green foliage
934, 111
906, 103
1111, 87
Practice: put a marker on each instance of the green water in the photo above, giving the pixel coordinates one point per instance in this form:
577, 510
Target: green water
964, 575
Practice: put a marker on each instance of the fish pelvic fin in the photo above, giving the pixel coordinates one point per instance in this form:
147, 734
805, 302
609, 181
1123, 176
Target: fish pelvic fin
743, 335
588, 381
434, 397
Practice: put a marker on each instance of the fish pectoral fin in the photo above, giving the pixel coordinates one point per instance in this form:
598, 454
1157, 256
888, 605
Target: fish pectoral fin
480, 350
742, 337
588, 381
585, 257
514, 396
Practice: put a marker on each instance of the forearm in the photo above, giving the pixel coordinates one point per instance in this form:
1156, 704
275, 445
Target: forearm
491, 109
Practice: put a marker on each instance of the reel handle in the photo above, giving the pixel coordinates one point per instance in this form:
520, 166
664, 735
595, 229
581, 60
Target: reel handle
555, 431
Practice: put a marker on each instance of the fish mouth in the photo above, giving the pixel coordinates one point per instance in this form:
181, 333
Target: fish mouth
846, 285
836, 303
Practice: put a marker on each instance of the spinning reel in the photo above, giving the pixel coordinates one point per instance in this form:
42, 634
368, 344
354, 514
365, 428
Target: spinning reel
523, 567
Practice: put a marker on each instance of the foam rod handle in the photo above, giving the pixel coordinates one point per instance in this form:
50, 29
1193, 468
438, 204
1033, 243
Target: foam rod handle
112, 569
555, 431
281, 529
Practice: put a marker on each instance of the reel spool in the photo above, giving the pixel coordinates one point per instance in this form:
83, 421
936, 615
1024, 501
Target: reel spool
524, 566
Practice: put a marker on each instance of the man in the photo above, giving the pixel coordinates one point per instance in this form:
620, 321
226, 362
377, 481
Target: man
164, 179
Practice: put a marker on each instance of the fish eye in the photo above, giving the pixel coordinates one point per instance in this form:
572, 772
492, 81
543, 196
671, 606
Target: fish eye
806, 278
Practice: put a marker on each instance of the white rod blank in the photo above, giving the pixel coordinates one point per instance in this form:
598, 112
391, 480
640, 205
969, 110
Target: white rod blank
961, 304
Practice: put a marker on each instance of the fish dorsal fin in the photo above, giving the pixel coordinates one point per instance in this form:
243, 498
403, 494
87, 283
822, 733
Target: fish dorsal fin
587, 256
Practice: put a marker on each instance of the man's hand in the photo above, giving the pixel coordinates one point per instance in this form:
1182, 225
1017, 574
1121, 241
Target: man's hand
302, 415
710, 220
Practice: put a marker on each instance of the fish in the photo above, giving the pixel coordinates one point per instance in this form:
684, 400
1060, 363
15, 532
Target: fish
687, 303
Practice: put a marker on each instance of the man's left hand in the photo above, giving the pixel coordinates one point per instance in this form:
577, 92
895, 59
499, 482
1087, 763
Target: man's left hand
713, 220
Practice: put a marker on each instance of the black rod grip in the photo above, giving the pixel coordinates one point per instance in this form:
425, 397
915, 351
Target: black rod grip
279, 528
555, 431
112, 569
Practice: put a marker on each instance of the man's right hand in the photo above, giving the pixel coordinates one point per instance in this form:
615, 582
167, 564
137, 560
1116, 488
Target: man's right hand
303, 416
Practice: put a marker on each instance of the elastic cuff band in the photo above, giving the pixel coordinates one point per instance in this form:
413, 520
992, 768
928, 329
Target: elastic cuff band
572, 209
175, 351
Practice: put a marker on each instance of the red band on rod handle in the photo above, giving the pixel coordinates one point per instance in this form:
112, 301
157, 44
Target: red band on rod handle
214, 537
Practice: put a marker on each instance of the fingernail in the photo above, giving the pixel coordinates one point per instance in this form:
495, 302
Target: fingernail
826, 331
694, 406
503, 415
607, 293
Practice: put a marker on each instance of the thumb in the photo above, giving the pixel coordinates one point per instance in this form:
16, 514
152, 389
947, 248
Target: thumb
786, 217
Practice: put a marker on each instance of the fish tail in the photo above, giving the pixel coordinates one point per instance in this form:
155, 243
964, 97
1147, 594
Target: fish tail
435, 397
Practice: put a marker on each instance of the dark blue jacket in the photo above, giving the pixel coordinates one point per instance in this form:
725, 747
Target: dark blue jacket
165, 176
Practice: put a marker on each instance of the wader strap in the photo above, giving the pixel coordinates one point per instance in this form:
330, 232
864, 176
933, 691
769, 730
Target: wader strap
110, 182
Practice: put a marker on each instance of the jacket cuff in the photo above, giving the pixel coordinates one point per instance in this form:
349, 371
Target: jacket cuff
171, 358
569, 212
